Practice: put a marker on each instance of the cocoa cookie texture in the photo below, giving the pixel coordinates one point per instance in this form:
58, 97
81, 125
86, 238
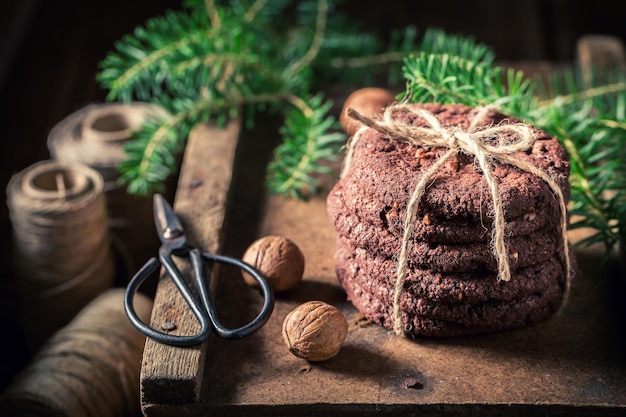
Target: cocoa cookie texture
523, 250
469, 287
451, 286
356, 215
454, 319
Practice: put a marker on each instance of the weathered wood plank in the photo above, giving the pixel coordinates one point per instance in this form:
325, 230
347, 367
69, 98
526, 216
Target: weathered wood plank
173, 375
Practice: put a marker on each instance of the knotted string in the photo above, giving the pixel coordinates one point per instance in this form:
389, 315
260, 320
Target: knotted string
473, 141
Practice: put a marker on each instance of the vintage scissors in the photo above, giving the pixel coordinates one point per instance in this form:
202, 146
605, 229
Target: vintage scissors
173, 243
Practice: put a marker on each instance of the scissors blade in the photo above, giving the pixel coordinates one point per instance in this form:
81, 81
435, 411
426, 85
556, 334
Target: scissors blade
167, 223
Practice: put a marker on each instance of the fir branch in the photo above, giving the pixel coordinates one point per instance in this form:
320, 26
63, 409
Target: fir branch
436, 41
613, 124
586, 115
308, 138
146, 165
153, 152
585, 94
581, 108
135, 67
215, 57
367, 61
209, 5
353, 57
254, 10
447, 78
316, 43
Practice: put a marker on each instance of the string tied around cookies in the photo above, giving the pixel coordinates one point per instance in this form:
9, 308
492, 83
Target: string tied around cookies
486, 144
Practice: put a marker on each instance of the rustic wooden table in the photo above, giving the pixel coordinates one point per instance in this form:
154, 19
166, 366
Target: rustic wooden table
571, 364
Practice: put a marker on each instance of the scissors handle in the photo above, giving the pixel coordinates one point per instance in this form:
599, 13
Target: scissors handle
204, 311
266, 291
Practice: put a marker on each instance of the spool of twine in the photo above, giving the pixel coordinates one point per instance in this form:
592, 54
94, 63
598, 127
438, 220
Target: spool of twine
91, 367
62, 253
95, 136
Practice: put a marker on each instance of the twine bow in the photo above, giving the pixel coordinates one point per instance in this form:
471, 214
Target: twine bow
485, 144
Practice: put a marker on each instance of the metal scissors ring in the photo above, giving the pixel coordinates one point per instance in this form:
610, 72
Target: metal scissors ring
174, 243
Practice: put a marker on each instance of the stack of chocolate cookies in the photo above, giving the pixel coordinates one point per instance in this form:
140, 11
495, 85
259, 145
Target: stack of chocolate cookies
452, 285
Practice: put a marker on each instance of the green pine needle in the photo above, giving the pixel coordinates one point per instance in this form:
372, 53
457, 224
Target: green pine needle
588, 116
213, 58
445, 78
309, 136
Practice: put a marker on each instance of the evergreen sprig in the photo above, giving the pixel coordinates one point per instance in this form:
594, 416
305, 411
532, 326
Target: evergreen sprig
464, 74
213, 59
297, 158
586, 113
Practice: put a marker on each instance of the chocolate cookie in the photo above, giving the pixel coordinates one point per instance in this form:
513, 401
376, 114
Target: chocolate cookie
451, 287
380, 311
379, 274
427, 317
523, 251
383, 173
471, 314
358, 215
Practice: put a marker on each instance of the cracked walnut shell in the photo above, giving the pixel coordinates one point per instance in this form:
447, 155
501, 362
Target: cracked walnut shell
315, 331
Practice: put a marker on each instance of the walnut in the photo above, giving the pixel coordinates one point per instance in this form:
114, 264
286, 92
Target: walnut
315, 331
278, 258
368, 101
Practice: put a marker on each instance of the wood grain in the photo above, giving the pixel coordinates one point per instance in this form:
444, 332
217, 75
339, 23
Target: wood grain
173, 375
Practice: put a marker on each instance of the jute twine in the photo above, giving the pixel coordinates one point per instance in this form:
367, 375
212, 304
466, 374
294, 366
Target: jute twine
91, 367
62, 250
486, 144
96, 136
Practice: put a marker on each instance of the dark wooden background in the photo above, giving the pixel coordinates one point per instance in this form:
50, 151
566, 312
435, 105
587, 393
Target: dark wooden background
50, 50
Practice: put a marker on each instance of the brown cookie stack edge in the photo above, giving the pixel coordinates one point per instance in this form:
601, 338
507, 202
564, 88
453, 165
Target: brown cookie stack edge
452, 287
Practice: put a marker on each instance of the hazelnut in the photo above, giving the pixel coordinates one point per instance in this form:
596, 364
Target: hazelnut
278, 259
315, 331
368, 101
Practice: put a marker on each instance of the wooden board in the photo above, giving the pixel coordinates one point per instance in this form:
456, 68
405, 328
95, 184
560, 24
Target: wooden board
571, 364
173, 375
